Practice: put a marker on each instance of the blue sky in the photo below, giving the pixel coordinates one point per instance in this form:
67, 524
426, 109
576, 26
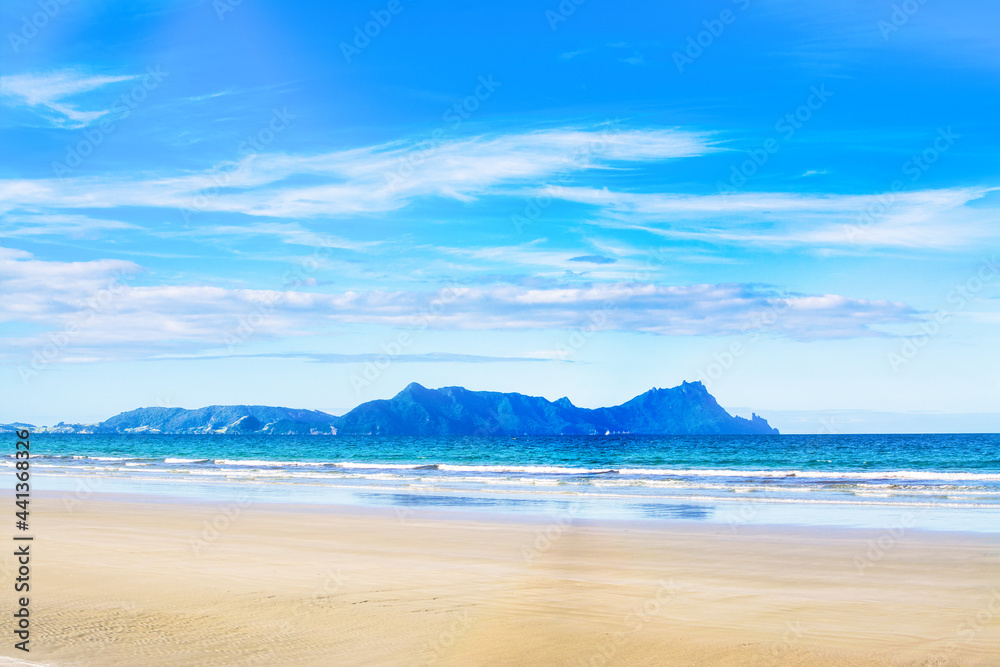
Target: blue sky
256, 202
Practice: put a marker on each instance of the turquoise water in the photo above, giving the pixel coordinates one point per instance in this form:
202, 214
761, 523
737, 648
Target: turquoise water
939, 481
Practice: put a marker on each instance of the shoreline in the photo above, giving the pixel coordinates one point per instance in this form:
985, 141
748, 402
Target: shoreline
124, 581
500, 516
739, 509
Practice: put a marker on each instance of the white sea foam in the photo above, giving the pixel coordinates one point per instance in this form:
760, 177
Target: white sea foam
926, 475
916, 475
451, 467
257, 463
637, 498
380, 466
110, 458
605, 473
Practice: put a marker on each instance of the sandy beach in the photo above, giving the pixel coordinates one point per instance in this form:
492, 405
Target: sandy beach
148, 582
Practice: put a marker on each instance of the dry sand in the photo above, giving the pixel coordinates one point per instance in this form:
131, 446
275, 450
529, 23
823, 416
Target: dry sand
126, 583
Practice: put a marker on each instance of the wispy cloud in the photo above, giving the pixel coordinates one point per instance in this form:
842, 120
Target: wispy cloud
55, 224
52, 93
190, 318
388, 177
371, 179
939, 219
328, 358
287, 232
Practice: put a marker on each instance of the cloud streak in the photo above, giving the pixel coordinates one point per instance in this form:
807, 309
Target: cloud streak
939, 219
365, 180
386, 178
50, 94
193, 318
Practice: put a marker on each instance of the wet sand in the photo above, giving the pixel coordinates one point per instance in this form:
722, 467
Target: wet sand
143, 581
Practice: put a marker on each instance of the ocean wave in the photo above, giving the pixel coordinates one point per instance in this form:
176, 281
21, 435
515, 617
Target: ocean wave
833, 477
106, 458
354, 465
259, 463
914, 475
926, 475
729, 500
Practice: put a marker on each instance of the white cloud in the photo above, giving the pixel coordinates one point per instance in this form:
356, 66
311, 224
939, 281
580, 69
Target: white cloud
51, 91
371, 179
112, 318
43, 291
291, 233
388, 177
920, 219
73, 226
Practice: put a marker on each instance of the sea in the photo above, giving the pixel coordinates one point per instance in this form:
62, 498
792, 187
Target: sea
934, 482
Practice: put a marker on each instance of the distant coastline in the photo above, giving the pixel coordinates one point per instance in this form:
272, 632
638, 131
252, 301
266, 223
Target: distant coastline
688, 409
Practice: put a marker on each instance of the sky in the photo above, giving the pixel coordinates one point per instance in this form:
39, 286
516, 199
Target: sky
314, 204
